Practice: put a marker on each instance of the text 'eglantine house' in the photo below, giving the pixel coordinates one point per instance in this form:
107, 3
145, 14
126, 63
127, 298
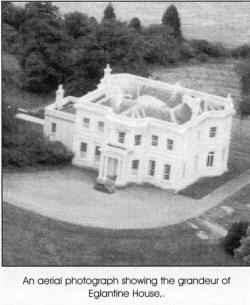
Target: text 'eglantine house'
138, 130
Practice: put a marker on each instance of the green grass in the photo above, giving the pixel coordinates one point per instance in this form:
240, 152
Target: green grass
31, 239
238, 202
243, 196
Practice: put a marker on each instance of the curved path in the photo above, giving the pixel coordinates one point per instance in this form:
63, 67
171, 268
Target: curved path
68, 195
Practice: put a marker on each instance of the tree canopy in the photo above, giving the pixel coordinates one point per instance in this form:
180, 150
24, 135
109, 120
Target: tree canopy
73, 49
245, 88
43, 47
109, 13
171, 18
79, 25
135, 23
12, 15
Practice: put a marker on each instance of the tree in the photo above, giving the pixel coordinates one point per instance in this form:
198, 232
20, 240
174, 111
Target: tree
113, 39
9, 38
135, 23
244, 250
123, 47
78, 24
134, 59
233, 238
109, 13
87, 64
171, 19
43, 51
244, 107
162, 47
12, 15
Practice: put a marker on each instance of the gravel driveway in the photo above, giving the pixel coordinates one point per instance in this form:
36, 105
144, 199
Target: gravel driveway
67, 194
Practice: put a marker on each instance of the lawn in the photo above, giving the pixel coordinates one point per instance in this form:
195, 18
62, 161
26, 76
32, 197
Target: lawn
35, 240
240, 210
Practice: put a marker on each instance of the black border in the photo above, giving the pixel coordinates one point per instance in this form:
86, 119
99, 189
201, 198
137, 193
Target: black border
101, 266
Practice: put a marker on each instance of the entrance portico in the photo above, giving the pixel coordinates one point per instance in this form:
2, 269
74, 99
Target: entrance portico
113, 164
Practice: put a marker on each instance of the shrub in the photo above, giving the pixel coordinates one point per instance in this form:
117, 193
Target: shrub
244, 71
244, 250
242, 51
211, 50
13, 157
33, 149
57, 153
23, 145
234, 235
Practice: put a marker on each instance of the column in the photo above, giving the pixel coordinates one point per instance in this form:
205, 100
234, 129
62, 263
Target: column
119, 171
105, 168
101, 167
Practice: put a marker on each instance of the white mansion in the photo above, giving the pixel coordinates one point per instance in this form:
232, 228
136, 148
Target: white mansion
134, 129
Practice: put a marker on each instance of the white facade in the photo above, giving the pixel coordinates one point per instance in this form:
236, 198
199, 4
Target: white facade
137, 130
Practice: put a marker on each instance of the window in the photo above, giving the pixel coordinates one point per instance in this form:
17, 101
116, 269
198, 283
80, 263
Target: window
137, 139
154, 140
166, 173
83, 149
135, 166
121, 137
170, 144
53, 127
97, 153
101, 126
86, 122
210, 159
151, 168
212, 132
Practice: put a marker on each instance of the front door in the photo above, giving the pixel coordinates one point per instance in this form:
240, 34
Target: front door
112, 168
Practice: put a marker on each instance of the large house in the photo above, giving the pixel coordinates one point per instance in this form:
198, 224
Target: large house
138, 130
